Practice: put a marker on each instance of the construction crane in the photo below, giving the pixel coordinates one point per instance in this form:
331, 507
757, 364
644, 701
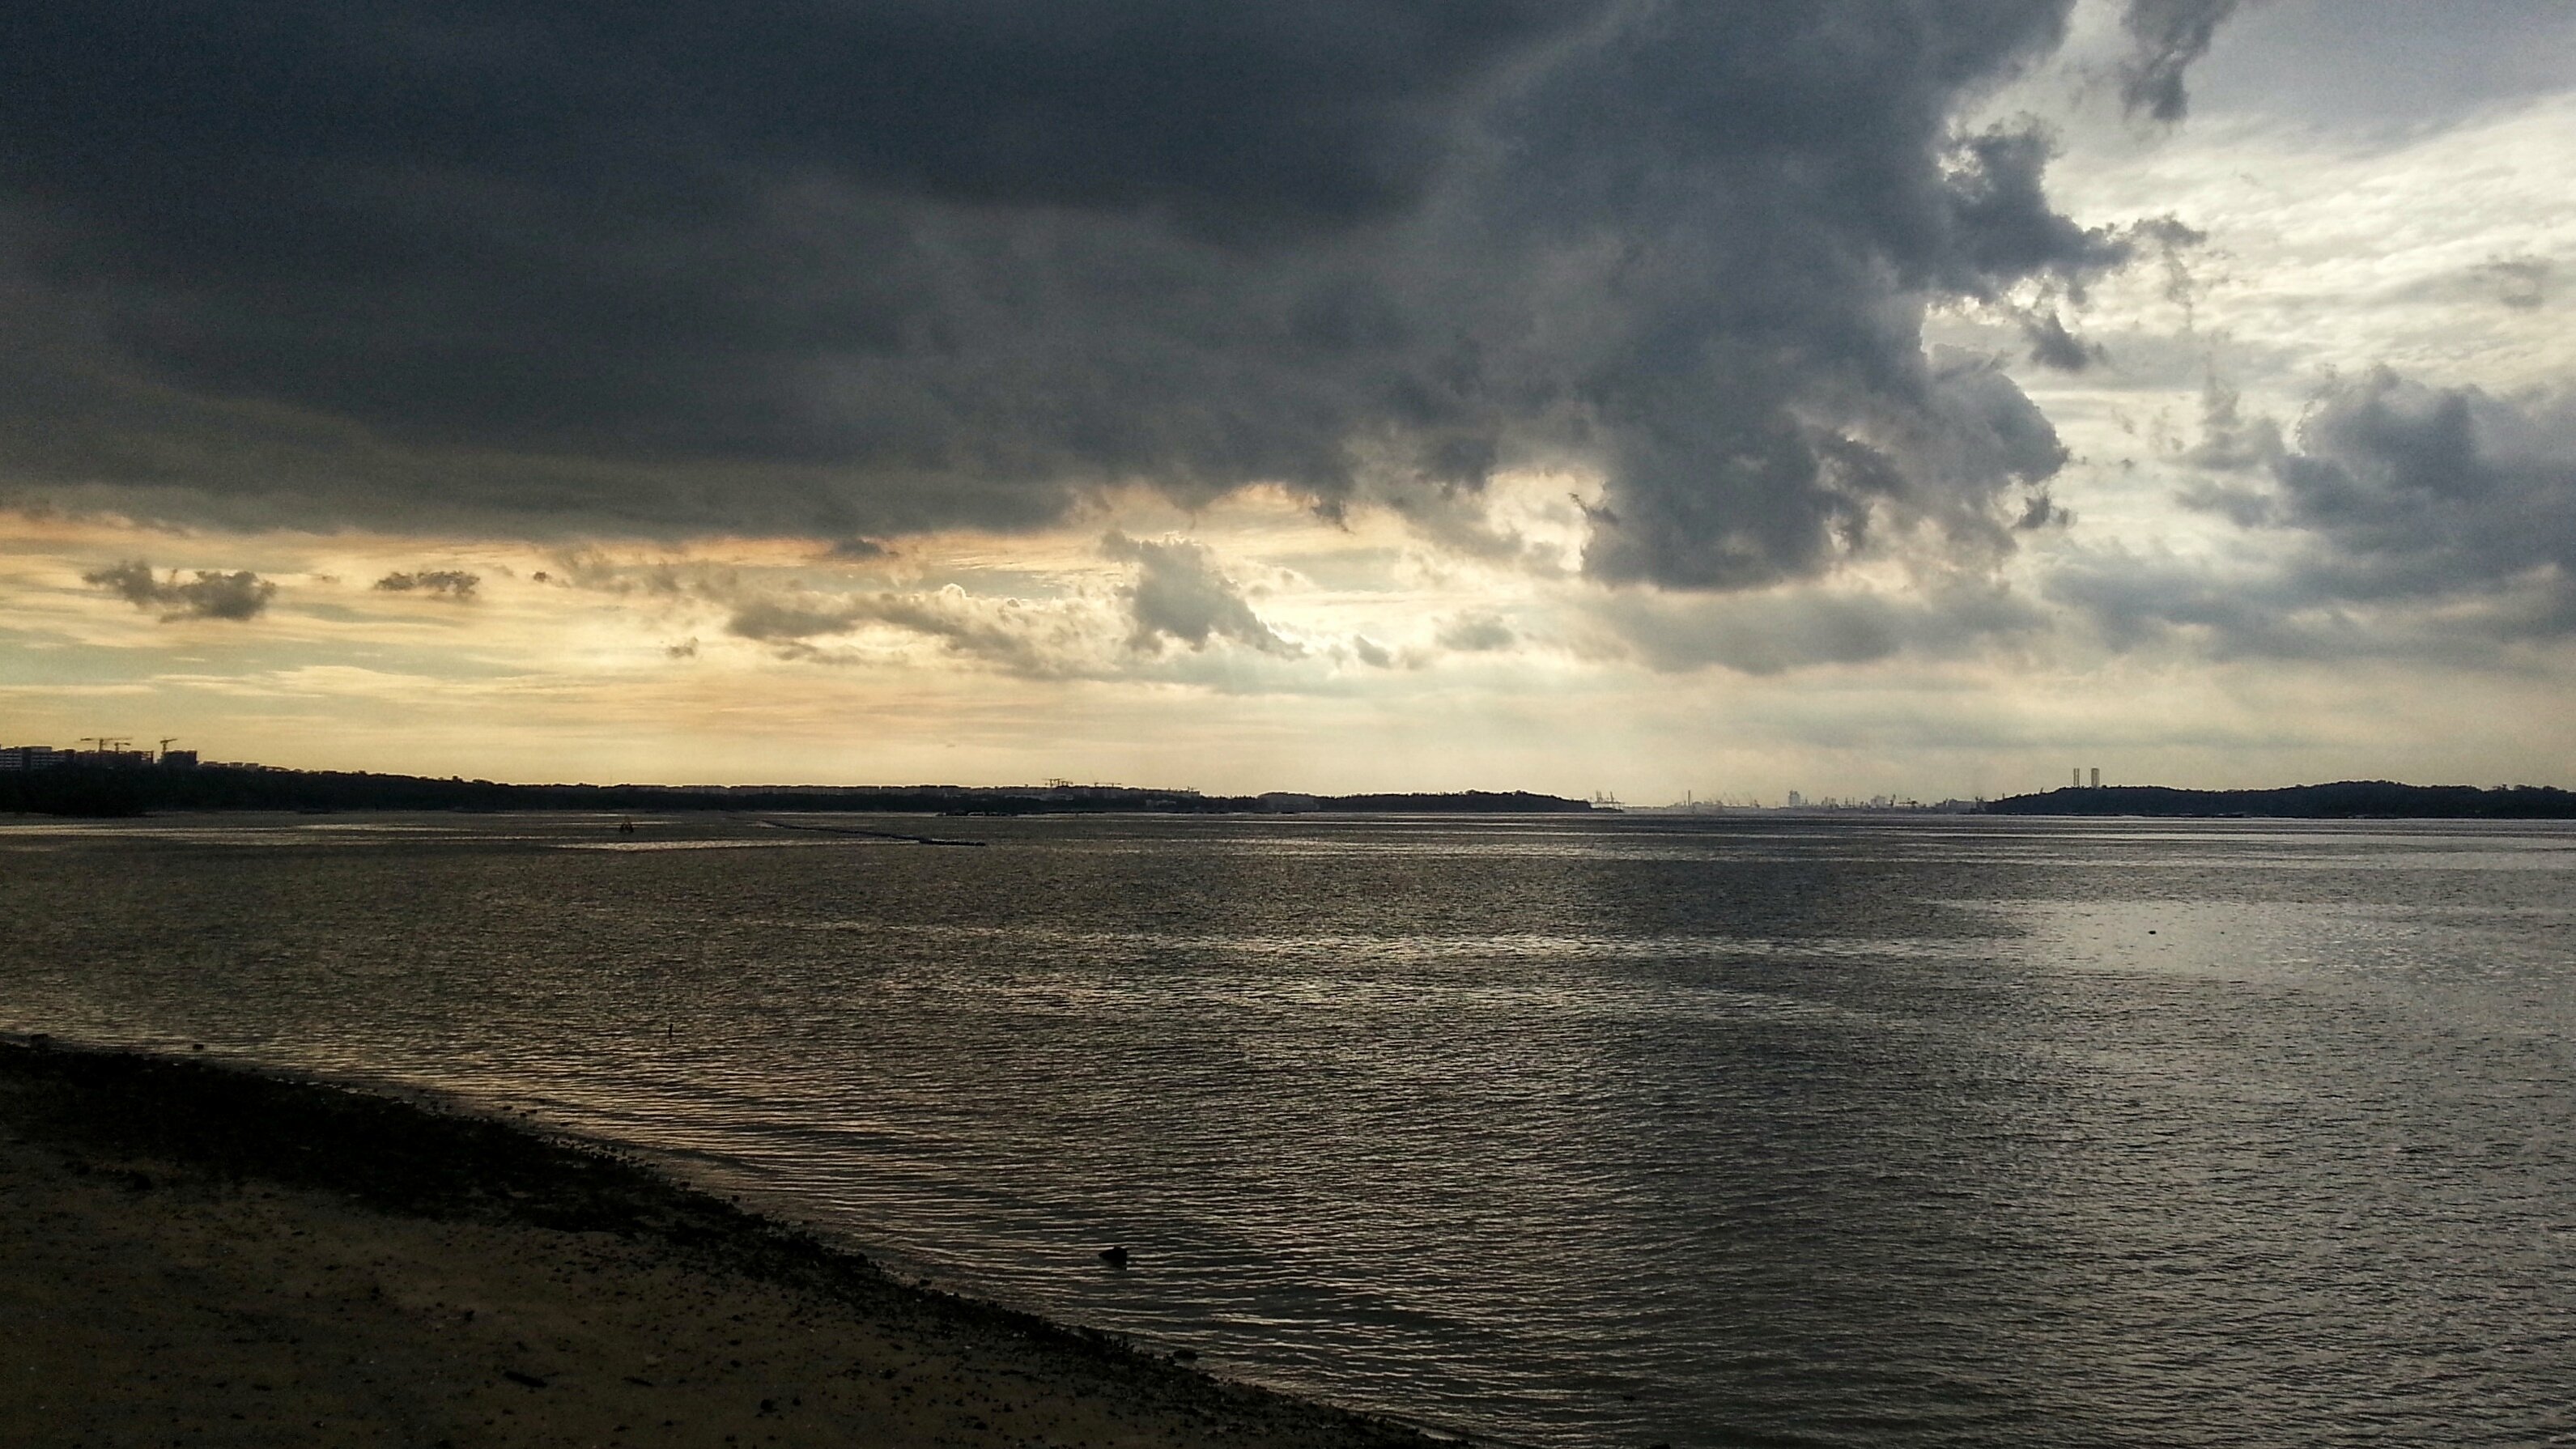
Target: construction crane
167, 743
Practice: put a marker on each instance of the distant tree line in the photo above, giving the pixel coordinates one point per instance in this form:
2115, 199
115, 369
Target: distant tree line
89, 791
1461, 802
2343, 800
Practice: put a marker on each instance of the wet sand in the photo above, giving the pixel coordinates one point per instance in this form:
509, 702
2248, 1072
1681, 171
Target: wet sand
197, 1255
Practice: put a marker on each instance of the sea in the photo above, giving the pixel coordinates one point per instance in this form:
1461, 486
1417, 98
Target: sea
1574, 1132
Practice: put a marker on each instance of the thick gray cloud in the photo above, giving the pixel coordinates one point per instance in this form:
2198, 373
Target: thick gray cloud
2054, 344
209, 595
1476, 633
859, 269
2397, 518
2416, 492
1788, 501
2166, 37
1181, 594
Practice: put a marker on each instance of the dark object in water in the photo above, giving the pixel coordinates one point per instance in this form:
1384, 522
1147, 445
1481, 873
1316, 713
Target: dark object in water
516, 1377
1114, 1257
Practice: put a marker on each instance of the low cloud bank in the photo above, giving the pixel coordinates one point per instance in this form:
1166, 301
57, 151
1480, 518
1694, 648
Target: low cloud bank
1181, 595
2397, 518
209, 595
444, 583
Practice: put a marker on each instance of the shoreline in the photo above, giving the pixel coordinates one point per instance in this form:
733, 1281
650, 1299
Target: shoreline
208, 1253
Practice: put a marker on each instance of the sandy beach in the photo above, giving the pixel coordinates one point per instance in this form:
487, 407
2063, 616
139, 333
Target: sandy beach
196, 1255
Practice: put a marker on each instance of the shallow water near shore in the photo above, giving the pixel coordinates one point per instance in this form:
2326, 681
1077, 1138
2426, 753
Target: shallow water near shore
1570, 1132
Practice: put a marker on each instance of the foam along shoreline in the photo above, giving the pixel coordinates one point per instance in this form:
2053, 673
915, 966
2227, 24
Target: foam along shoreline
209, 1255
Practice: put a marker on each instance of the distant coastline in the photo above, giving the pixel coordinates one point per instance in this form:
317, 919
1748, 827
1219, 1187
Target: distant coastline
111, 791
107, 791
2342, 800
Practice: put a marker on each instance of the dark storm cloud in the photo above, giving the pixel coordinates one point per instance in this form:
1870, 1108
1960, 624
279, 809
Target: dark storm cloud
2166, 36
2407, 518
852, 270
210, 595
2053, 344
2410, 491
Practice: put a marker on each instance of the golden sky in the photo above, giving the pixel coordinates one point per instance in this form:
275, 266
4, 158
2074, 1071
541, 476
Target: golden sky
2259, 468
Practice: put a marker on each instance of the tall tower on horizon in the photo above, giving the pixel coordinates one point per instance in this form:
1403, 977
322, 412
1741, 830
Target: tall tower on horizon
2075, 778
2097, 777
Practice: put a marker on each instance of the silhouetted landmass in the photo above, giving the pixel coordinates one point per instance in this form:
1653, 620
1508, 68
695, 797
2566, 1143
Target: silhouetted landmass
2343, 800
110, 792
1463, 802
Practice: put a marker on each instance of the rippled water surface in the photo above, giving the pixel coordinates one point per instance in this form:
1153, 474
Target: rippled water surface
1572, 1133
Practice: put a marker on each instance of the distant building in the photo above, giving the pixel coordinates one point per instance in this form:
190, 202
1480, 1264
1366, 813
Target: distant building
112, 759
1796, 800
111, 755
2097, 777
2075, 778
1280, 802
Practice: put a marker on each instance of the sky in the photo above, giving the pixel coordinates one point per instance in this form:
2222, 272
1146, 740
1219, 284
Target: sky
1906, 397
